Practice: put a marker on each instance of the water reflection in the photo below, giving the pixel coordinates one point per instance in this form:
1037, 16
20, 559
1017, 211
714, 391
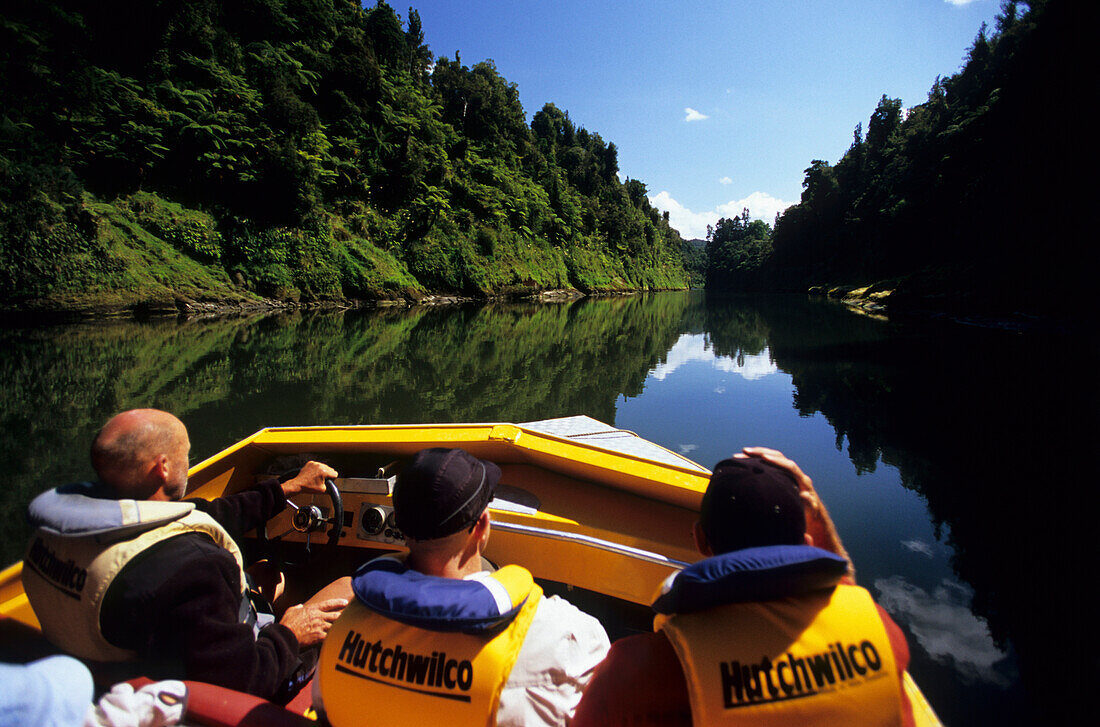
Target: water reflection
947, 630
697, 347
992, 429
919, 546
228, 378
974, 558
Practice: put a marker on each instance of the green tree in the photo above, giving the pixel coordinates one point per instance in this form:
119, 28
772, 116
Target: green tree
327, 149
737, 251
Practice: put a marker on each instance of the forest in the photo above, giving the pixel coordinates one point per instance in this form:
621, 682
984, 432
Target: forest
228, 151
964, 202
166, 152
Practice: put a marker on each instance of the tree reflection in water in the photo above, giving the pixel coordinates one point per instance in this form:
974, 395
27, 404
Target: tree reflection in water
227, 378
983, 424
991, 427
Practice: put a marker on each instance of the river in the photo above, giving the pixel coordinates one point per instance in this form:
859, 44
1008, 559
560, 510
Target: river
948, 455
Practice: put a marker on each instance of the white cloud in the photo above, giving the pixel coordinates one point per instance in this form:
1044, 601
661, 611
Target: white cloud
959, 2
761, 205
690, 224
944, 626
693, 115
725, 180
693, 225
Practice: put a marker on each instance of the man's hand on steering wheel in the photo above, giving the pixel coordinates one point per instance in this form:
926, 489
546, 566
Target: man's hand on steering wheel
314, 478
311, 478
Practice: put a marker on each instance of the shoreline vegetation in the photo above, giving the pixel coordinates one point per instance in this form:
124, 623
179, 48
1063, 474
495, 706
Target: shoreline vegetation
196, 154
957, 204
193, 159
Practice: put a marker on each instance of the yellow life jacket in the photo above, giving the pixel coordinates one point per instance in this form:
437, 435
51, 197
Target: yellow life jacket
417, 649
818, 657
81, 544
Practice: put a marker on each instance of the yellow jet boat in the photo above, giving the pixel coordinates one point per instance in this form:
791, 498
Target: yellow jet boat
597, 514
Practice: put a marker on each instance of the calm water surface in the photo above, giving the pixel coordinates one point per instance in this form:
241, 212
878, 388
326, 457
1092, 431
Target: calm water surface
949, 456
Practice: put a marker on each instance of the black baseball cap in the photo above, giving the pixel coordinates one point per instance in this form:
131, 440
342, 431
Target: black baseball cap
441, 492
751, 503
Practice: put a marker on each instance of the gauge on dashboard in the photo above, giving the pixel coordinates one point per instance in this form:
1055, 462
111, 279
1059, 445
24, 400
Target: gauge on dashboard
373, 519
376, 522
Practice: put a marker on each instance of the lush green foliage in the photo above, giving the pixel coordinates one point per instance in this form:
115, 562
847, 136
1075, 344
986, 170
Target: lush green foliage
328, 154
962, 197
737, 250
695, 261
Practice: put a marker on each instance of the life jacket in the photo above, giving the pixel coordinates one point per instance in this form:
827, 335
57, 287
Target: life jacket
80, 544
419, 649
768, 636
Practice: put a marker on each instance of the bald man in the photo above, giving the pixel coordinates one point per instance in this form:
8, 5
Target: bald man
125, 570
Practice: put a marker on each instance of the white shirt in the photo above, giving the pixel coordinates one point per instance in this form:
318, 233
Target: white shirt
561, 650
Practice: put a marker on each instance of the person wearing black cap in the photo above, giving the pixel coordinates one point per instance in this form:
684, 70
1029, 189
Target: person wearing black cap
440, 635
767, 628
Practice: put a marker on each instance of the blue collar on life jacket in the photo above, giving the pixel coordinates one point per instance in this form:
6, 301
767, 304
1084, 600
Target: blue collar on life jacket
90, 509
751, 574
472, 605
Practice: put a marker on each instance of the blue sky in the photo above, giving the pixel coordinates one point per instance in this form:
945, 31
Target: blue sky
714, 104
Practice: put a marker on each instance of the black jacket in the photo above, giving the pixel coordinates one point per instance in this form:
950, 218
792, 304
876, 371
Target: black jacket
177, 605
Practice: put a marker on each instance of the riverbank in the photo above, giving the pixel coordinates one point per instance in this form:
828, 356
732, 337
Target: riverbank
48, 311
144, 256
961, 295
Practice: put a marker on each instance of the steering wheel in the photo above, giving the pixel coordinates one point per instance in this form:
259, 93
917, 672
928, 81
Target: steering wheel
309, 519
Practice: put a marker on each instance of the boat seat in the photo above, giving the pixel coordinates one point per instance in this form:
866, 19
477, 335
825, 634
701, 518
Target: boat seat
214, 706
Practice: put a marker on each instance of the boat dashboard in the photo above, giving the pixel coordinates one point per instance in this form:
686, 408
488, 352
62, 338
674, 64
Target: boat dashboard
563, 523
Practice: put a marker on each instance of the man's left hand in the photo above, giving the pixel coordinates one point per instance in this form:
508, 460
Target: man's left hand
311, 478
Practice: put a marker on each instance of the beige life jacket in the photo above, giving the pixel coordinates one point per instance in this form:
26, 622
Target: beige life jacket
67, 573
